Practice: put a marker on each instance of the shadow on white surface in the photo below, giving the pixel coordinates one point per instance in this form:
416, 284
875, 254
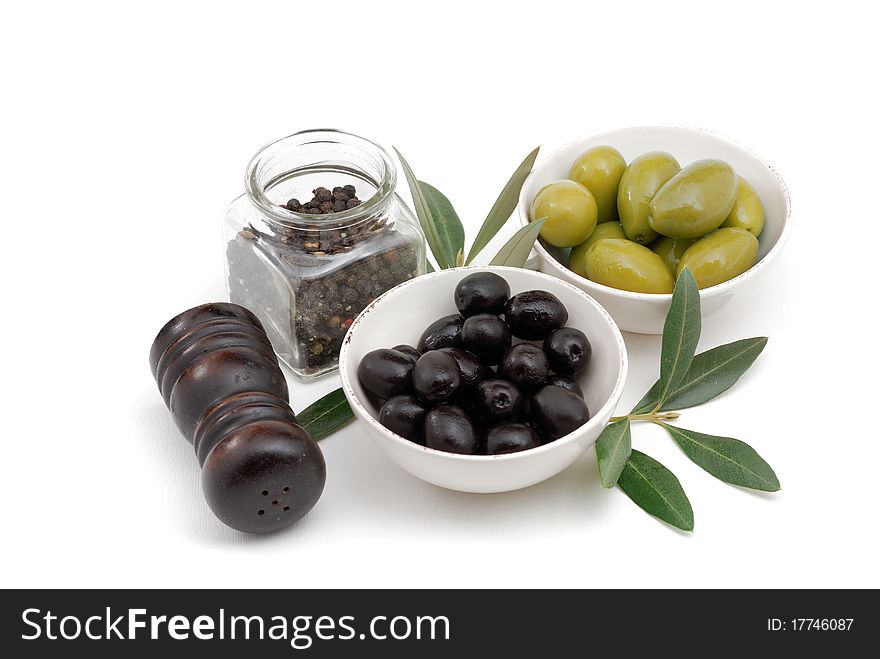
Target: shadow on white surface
365, 489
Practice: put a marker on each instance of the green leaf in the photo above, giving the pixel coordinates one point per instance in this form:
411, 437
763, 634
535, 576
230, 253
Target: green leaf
423, 213
711, 374
656, 490
446, 222
503, 207
326, 415
516, 250
613, 449
428, 266
726, 458
681, 332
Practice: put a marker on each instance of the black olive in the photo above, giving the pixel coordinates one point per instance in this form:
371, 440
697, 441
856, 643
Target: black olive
472, 370
557, 411
447, 428
566, 383
510, 438
568, 350
533, 315
408, 350
497, 400
486, 336
386, 373
525, 365
404, 415
482, 292
442, 333
436, 376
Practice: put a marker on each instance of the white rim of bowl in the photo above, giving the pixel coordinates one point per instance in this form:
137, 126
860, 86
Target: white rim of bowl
523, 205
365, 414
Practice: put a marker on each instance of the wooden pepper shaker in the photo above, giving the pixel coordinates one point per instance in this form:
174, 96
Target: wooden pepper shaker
219, 376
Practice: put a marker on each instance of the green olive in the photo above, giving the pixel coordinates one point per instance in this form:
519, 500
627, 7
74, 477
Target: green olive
570, 210
642, 178
695, 201
629, 266
577, 259
671, 249
722, 255
599, 170
748, 211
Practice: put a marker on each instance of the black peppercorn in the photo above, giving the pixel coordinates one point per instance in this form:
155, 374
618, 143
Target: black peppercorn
325, 201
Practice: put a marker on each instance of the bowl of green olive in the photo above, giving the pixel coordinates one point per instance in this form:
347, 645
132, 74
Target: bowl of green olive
625, 211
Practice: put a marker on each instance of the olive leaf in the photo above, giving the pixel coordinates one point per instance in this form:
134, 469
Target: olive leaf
446, 222
326, 415
613, 449
656, 490
711, 374
681, 333
503, 207
515, 251
726, 458
424, 215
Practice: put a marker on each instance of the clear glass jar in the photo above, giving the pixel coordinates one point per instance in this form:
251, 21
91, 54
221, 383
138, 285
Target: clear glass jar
306, 276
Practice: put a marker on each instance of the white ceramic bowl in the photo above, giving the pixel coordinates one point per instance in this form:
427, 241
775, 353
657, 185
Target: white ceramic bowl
645, 313
402, 314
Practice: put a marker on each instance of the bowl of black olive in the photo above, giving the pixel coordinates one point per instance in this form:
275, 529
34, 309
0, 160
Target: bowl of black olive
483, 379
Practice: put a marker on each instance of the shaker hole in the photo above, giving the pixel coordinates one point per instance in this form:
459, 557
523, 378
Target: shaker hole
265, 493
261, 512
275, 503
286, 490
286, 509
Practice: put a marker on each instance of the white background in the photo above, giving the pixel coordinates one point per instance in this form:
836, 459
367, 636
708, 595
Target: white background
125, 132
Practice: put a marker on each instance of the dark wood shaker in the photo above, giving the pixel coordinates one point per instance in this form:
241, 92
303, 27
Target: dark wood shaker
219, 376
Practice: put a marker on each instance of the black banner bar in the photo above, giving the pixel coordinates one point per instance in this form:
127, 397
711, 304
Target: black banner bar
318, 623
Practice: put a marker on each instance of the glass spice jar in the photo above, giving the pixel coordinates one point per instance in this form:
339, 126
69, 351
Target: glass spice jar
307, 273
